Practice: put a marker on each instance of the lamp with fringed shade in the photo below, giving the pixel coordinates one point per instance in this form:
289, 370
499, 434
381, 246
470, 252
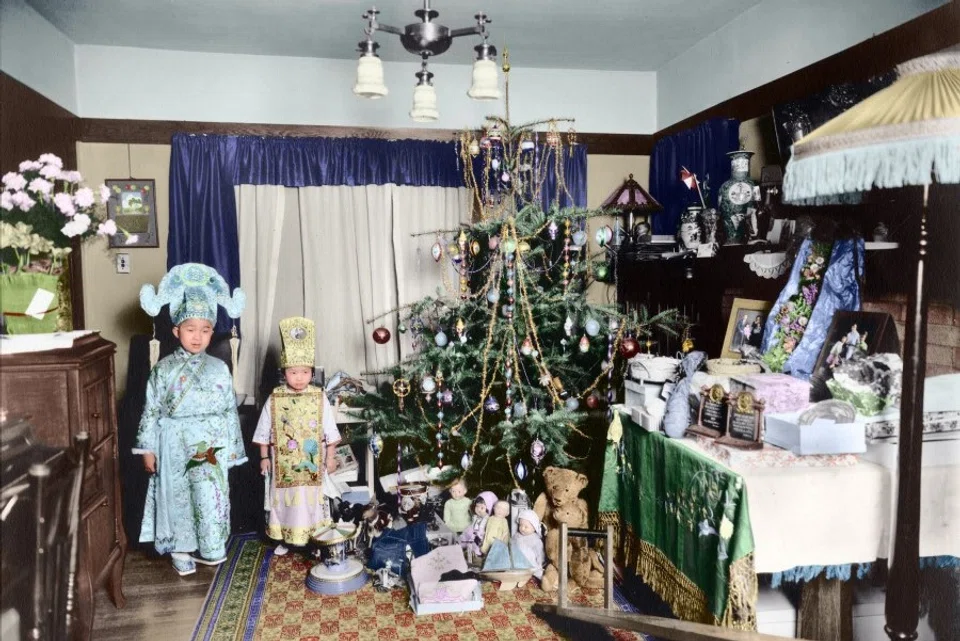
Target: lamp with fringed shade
905, 135
631, 200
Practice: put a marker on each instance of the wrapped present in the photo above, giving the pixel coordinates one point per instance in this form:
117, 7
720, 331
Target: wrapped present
780, 392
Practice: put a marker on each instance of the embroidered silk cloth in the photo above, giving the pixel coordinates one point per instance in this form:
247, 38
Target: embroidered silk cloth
684, 525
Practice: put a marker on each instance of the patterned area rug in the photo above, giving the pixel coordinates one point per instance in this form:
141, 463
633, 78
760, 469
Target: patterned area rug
256, 596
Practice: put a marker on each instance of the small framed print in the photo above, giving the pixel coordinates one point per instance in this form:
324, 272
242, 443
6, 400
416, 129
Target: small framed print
744, 422
133, 207
745, 327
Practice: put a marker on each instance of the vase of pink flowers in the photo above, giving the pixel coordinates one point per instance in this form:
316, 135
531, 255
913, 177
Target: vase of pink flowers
45, 211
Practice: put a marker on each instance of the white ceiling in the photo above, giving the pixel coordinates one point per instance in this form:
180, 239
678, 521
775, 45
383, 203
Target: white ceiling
638, 35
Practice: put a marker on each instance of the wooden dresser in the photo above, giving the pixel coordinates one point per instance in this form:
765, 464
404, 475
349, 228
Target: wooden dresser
64, 392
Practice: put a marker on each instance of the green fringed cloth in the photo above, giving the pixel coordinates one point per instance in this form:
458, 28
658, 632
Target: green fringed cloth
682, 524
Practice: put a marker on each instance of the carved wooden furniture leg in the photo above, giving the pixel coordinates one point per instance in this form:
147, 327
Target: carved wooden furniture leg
85, 599
826, 611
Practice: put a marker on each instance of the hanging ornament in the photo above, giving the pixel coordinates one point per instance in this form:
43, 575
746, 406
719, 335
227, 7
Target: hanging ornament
553, 229
507, 311
493, 296
602, 271
629, 347
494, 132
446, 396
505, 176
593, 401
519, 409
486, 143
436, 251
537, 450
527, 145
613, 324
526, 347
402, 328
376, 444
523, 246
579, 238
572, 404
604, 235
508, 246
493, 242
491, 404
401, 388
520, 470
440, 339
568, 326
381, 336
474, 247
584, 344
592, 326
465, 461
474, 147
495, 164
428, 385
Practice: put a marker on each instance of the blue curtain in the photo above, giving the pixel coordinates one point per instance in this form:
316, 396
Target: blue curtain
203, 211
703, 150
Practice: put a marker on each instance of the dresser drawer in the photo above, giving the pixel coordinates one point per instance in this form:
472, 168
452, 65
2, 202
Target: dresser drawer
98, 370
95, 475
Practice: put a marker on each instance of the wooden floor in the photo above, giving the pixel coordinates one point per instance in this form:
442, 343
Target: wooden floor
160, 604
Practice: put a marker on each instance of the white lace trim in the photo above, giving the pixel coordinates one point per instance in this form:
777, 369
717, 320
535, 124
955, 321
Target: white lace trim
767, 265
933, 62
878, 135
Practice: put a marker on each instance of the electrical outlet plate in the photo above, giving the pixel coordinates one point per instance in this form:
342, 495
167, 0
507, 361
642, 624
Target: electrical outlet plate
123, 263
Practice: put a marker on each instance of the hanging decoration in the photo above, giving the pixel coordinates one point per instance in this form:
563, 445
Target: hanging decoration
381, 336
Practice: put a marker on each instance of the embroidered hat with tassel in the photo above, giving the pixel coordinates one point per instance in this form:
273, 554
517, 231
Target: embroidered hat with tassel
193, 290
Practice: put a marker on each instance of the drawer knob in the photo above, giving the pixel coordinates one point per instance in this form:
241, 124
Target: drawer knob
95, 415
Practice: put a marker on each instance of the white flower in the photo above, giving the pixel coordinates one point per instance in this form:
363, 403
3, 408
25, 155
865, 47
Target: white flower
84, 197
64, 203
23, 201
726, 528
108, 228
14, 181
70, 176
6, 202
41, 186
30, 165
79, 224
132, 238
49, 171
104, 194
51, 159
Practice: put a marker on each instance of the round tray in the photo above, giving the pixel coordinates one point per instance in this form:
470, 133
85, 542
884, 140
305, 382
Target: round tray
347, 577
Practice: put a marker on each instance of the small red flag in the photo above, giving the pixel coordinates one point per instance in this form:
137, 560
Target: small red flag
689, 179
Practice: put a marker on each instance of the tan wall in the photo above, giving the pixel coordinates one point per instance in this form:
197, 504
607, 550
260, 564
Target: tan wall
111, 300
604, 175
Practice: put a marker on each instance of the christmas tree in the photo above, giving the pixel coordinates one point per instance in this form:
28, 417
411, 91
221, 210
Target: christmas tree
511, 361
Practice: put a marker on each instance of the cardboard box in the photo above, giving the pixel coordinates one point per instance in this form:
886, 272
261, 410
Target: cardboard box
639, 394
823, 436
780, 392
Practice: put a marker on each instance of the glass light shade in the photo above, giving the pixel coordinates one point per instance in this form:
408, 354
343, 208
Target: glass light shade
370, 78
424, 104
485, 81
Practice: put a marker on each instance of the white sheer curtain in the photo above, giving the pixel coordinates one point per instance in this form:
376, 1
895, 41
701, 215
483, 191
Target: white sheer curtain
339, 256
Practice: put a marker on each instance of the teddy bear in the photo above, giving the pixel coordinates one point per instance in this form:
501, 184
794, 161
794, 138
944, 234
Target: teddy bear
560, 503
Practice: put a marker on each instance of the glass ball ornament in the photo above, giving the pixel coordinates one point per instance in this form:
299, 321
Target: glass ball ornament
441, 339
376, 444
520, 470
572, 404
446, 397
553, 229
493, 242
474, 147
402, 328
537, 450
428, 385
493, 296
629, 347
508, 246
507, 310
579, 238
584, 344
604, 235
519, 409
436, 251
491, 404
613, 324
527, 145
381, 335
592, 327
593, 401
474, 247
495, 164
602, 271
526, 347
465, 461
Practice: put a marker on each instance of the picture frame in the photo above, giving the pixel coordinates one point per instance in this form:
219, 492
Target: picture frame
876, 332
744, 422
133, 207
746, 316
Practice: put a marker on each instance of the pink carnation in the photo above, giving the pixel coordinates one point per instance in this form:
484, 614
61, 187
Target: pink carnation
41, 186
79, 224
51, 159
84, 197
132, 239
23, 201
104, 194
30, 165
14, 181
50, 171
64, 203
107, 228
6, 202
70, 176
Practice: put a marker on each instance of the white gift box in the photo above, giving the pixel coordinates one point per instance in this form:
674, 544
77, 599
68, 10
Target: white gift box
429, 595
823, 436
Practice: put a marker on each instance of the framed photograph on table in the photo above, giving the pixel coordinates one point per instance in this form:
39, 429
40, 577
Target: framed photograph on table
745, 327
133, 207
852, 336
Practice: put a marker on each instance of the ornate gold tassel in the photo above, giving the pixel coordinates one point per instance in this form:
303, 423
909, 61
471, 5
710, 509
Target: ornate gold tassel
234, 351
154, 349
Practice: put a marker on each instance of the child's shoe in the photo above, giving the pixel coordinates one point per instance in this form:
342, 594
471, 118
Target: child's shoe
183, 564
280, 550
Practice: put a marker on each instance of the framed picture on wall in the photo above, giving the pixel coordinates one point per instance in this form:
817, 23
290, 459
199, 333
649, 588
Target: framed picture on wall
133, 207
745, 327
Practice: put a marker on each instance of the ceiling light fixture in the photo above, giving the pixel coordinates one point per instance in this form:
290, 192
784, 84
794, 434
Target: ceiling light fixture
426, 38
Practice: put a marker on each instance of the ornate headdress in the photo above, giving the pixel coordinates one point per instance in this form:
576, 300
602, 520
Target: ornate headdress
298, 336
